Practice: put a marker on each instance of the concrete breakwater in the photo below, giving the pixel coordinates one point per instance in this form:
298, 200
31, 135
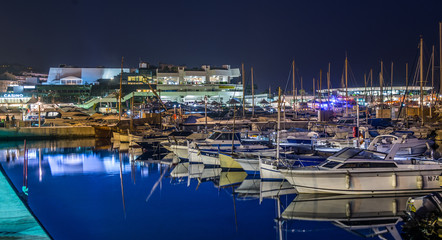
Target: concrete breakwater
36, 133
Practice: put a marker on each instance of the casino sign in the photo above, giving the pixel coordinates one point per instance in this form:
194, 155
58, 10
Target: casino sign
13, 95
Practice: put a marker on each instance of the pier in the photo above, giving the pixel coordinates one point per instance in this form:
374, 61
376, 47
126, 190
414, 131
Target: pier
46, 133
16, 219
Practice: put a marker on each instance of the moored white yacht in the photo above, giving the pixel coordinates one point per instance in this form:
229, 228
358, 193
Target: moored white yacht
221, 142
383, 143
359, 171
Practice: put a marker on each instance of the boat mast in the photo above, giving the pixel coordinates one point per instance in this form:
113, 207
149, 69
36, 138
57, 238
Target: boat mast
391, 87
121, 86
205, 111
432, 82
365, 87
314, 95
371, 86
132, 112
243, 91
294, 85
421, 75
366, 99
253, 95
346, 86
233, 130
302, 92
440, 58
406, 82
270, 91
320, 88
381, 80
328, 87
405, 97
278, 128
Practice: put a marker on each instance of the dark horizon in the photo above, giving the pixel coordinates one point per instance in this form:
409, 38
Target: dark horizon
264, 35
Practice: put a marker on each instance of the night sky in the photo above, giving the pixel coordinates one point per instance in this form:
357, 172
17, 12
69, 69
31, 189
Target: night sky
264, 34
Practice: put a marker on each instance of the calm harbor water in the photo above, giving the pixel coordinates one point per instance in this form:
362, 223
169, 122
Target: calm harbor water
87, 190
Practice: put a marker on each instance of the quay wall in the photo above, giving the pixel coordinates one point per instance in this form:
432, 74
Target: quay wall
36, 133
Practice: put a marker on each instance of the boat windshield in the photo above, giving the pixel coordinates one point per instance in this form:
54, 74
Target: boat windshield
356, 153
214, 135
330, 164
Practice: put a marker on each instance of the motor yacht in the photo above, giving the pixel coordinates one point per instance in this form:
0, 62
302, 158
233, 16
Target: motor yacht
361, 171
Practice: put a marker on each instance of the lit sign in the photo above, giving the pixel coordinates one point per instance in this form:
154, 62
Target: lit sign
12, 95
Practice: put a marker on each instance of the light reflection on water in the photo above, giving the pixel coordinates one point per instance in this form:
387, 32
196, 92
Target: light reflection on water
87, 190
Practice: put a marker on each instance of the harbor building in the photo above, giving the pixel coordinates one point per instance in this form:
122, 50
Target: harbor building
66, 75
172, 83
372, 94
205, 75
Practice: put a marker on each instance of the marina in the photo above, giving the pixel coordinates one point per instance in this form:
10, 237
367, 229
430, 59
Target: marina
117, 190
222, 120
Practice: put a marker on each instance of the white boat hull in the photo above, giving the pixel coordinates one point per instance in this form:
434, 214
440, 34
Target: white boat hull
180, 151
359, 182
210, 159
124, 138
269, 171
250, 166
116, 136
194, 156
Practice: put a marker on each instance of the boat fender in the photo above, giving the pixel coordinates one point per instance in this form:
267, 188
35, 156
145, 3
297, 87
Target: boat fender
440, 180
347, 180
348, 209
419, 182
394, 207
355, 132
394, 180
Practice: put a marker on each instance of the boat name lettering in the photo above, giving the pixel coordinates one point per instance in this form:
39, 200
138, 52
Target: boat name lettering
433, 178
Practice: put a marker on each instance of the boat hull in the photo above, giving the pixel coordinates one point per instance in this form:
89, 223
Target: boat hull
359, 182
269, 171
180, 151
250, 166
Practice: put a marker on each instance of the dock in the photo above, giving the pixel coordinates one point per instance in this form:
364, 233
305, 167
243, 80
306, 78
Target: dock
16, 219
46, 133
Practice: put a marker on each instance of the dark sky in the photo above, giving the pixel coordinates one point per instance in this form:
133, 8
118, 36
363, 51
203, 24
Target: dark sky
264, 34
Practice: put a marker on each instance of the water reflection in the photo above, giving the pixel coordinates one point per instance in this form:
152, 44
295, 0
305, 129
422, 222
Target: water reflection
365, 216
140, 187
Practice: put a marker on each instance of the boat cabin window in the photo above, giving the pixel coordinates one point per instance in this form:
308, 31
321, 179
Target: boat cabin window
357, 153
368, 165
331, 164
346, 121
370, 155
347, 153
214, 135
228, 136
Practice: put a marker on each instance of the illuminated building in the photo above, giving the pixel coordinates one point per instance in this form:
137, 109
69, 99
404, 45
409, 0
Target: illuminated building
80, 76
394, 94
173, 83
